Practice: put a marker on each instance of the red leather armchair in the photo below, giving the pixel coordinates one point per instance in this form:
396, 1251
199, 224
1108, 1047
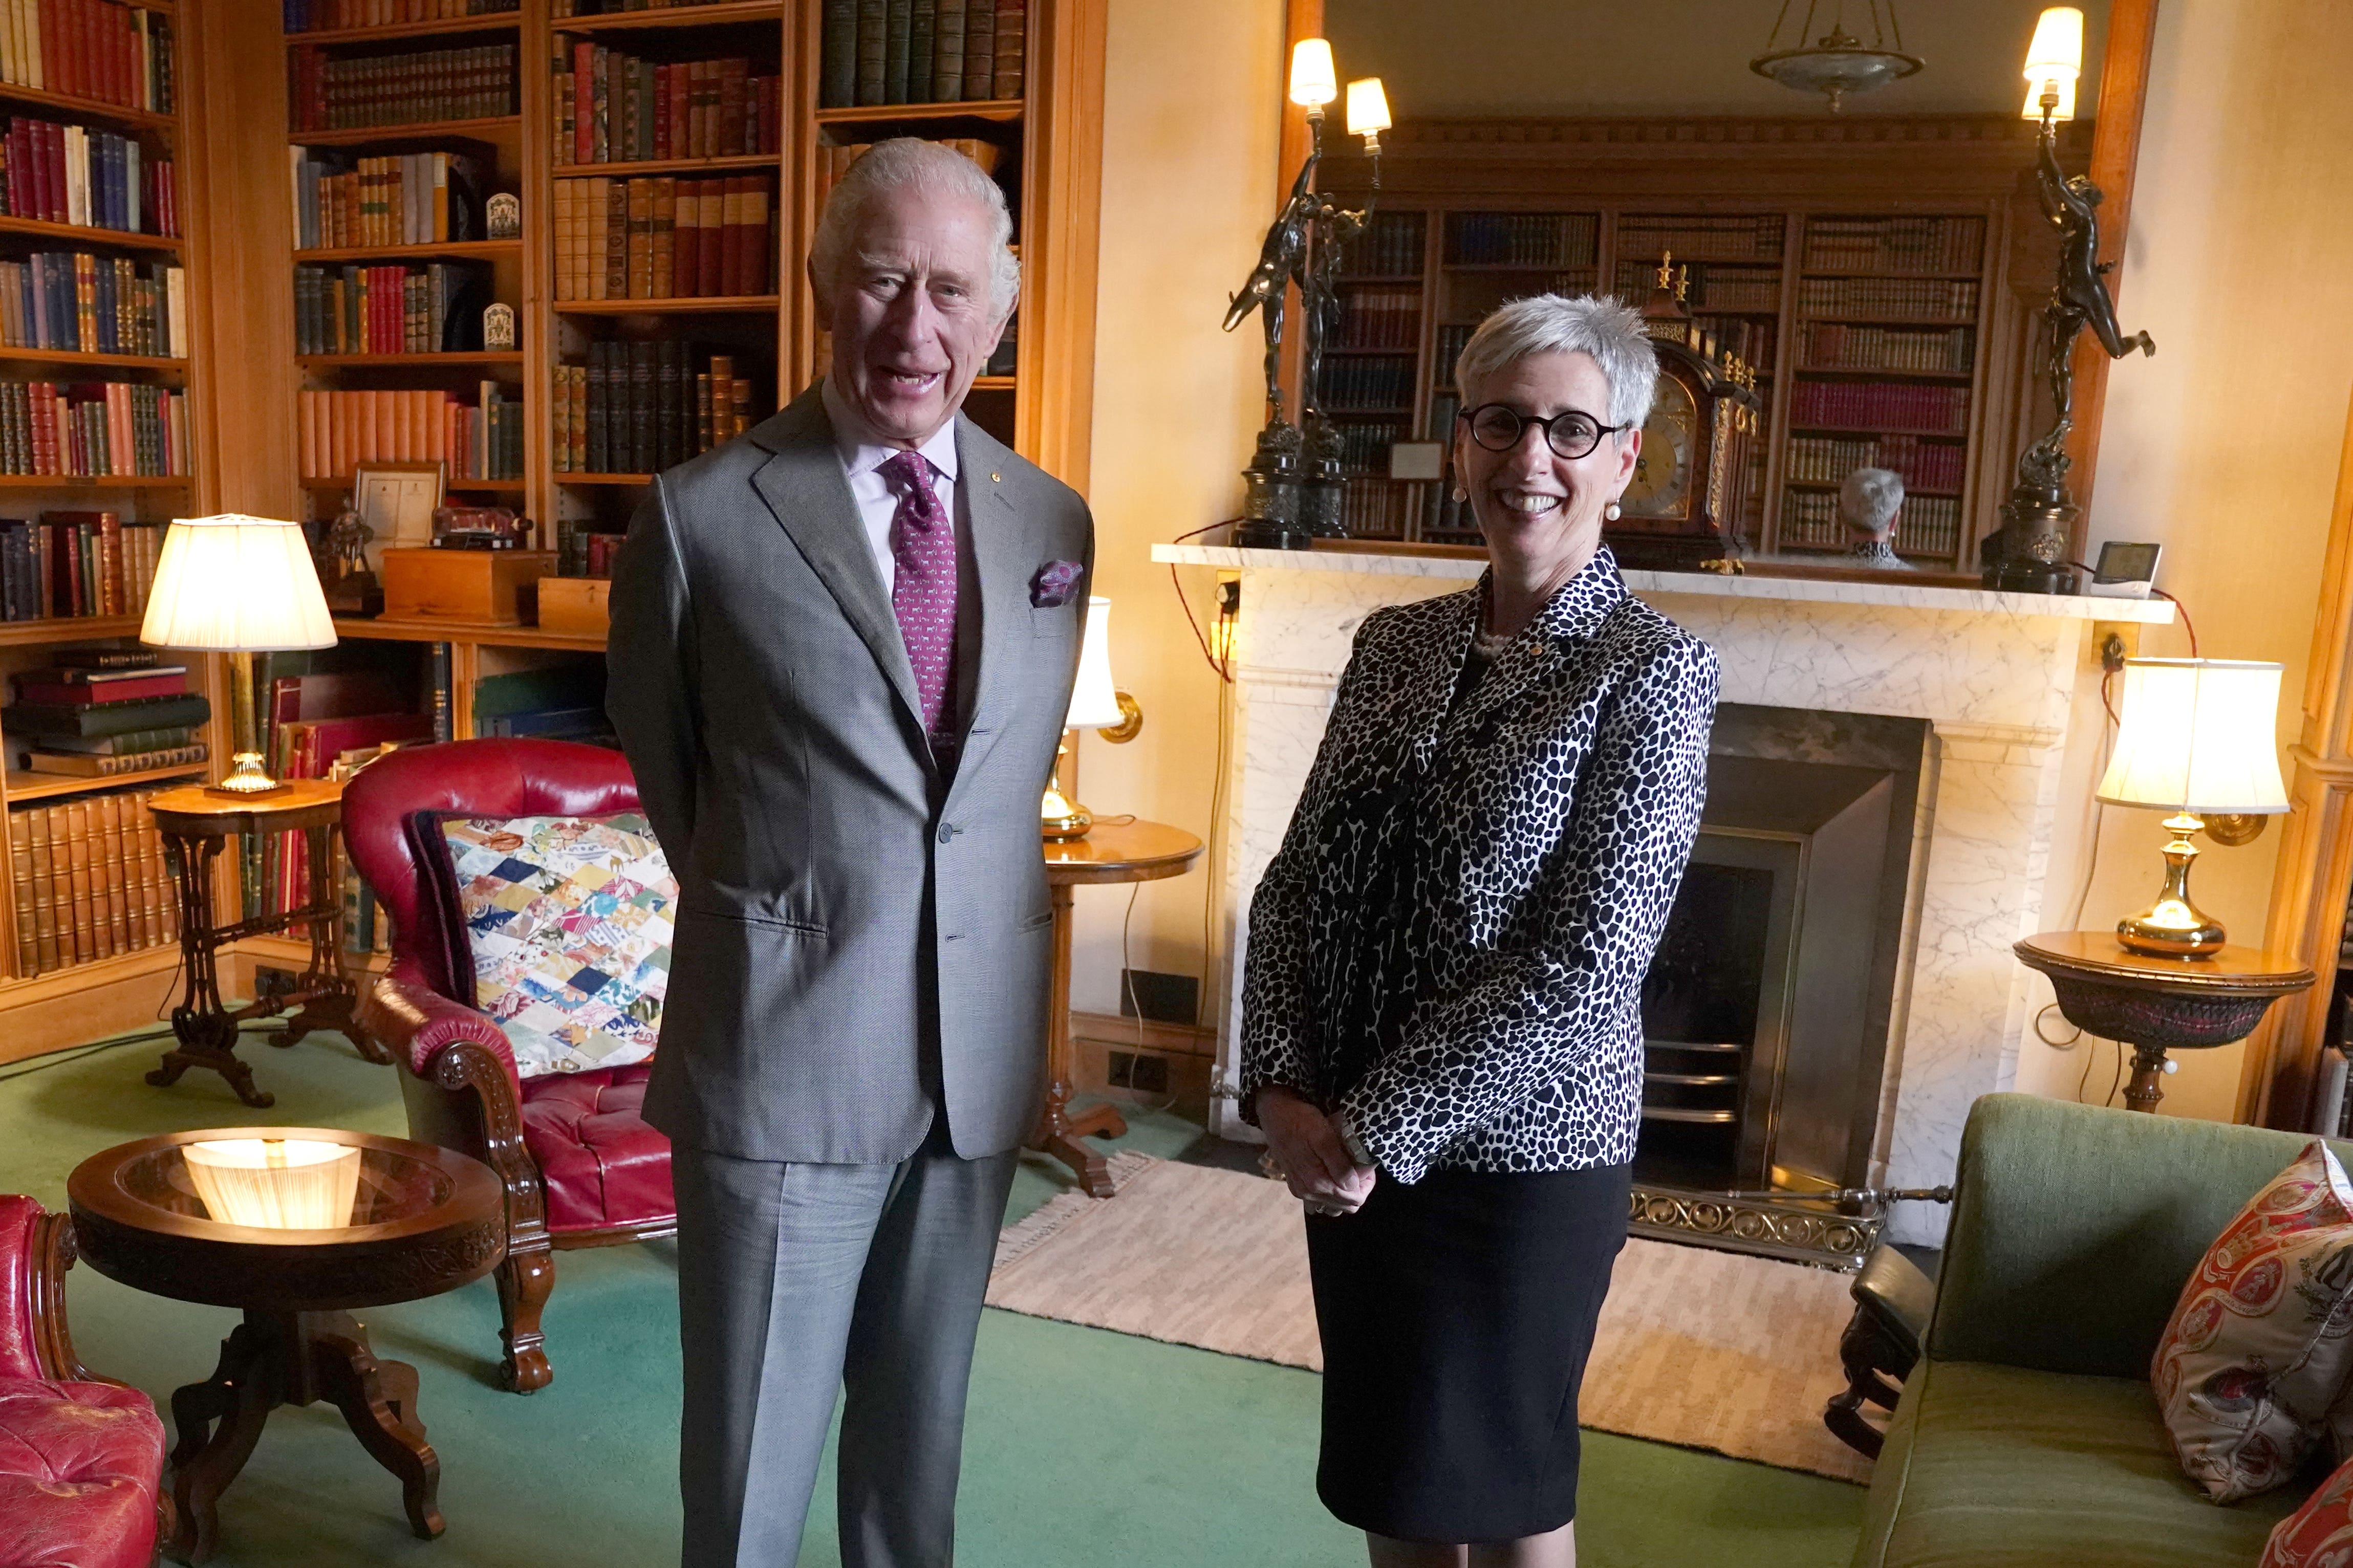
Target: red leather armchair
580, 1165
81, 1458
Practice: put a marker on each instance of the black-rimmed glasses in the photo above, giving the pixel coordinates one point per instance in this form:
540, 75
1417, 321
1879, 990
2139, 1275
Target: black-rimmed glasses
1571, 434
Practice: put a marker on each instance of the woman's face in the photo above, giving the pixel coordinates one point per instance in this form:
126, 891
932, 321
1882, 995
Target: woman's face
1532, 503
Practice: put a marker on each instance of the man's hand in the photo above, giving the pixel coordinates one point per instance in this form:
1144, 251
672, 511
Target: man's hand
1306, 1143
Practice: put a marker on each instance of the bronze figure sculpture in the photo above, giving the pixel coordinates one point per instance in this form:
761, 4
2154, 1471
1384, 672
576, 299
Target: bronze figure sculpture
1281, 260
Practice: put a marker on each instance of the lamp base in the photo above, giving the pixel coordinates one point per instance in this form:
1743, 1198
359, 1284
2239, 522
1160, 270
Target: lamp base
246, 780
2174, 927
1060, 817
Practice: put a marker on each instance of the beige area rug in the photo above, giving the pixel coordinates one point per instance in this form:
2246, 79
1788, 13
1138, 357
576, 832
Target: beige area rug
1702, 1349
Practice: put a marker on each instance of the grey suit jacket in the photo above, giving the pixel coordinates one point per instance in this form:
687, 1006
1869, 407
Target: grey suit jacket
827, 871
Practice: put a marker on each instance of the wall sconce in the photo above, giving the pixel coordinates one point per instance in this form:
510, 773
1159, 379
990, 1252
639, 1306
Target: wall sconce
1095, 704
1368, 112
275, 1183
1314, 81
2053, 61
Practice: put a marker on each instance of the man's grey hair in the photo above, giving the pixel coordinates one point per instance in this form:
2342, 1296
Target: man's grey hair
1869, 498
907, 163
1553, 323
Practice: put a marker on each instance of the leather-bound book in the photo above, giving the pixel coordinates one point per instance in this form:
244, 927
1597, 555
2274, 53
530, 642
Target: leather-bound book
686, 238
665, 225
617, 240
710, 237
923, 18
728, 133
600, 409
640, 241
20, 881
838, 56
641, 408
77, 857
873, 24
979, 48
947, 51
669, 367
731, 242
1012, 41
36, 826
757, 279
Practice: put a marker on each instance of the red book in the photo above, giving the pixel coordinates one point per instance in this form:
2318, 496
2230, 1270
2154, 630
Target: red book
584, 103
686, 265
80, 694
711, 239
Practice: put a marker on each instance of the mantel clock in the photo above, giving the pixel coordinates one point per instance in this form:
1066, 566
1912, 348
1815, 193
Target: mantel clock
1683, 505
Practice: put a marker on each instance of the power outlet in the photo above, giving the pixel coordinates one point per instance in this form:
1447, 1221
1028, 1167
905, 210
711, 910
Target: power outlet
1145, 1072
2113, 642
269, 980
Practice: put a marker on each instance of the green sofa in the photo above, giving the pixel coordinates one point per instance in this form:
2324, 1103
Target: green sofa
2027, 1436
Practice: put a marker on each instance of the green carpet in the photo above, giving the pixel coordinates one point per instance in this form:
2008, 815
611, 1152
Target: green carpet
1083, 1448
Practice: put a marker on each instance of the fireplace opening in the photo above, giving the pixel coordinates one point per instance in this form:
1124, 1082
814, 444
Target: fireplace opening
1766, 1010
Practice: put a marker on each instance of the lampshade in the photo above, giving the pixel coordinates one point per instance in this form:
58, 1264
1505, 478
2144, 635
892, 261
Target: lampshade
1094, 702
235, 584
1314, 81
277, 1184
1368, 107
2197, 735
2055, 60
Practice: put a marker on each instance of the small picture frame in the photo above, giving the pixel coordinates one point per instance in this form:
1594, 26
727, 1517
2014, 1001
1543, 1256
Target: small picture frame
397, 501
502, 216
499, 327
1418, 460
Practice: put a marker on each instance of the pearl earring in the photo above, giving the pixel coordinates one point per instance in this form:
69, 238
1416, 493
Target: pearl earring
1610, 513
1461, 494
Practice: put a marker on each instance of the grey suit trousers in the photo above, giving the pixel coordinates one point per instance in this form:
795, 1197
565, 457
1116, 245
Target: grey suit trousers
800, 1282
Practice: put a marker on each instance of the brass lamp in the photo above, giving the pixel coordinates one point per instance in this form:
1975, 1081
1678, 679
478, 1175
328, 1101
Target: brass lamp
2196, 738
1095, 704
238, 585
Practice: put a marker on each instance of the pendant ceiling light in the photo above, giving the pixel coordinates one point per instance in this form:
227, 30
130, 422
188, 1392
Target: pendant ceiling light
1837, 63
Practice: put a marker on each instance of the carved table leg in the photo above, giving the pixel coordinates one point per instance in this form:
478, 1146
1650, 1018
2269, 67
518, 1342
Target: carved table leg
378, 1399
206, 1035
1057, 1130
206, 1457
2149, 1071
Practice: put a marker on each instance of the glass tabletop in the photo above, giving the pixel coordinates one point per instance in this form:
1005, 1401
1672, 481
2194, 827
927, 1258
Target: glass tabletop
284, 1183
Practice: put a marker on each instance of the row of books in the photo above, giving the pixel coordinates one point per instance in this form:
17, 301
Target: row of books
1444, 519
1364, 447
1751, 340
1923, 465
1378, 509
433, 308
78, 564
1521, 239
1382, 383
1880, 405
612, 108
1895, 244
330, 16
81, 303
78, 175
1451, 342
410, 198
922, 51
91, 880
1388, 246
1380, 317
1928, 526
1927, 302
331, 94
1713, 287
641, 407
1695, 237
581, 552
663, 237
1831, 345
93, 428
90, 48
483, 440
834, 161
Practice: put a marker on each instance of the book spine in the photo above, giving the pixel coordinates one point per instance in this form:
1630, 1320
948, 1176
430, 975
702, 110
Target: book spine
838, 56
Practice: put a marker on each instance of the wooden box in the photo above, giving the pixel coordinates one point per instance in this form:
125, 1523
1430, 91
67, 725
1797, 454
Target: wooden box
484, 587
575, 605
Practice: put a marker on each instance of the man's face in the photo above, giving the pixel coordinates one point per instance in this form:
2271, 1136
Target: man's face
910, 311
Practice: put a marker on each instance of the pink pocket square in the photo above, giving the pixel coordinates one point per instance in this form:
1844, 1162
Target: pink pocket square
1055, 584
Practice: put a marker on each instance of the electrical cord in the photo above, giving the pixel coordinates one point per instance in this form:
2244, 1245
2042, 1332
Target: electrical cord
1222, 667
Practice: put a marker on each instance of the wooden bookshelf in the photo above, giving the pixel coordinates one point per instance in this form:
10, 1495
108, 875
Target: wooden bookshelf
50, 999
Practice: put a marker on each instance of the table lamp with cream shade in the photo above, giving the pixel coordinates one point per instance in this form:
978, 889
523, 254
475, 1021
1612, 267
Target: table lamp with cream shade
2195, 737
238, 585
1095, 704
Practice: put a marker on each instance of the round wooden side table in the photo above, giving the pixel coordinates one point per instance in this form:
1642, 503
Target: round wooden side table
2157, 1004
1111, 852
422, 1221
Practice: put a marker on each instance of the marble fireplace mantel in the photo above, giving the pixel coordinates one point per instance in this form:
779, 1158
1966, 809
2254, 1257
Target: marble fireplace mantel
1992, 673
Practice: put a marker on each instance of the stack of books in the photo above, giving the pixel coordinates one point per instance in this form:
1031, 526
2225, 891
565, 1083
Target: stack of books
81, 303
341, 430
433, 308
663, 239
329, 94
90, 881
922, 51
612, 108
561, 702
76, 564
413, 199
90, 48
95, 713
73, 174
640, 407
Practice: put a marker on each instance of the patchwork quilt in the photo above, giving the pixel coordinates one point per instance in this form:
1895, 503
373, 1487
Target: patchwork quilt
570, 921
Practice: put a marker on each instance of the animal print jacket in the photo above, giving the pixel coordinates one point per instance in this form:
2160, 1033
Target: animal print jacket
1448, 949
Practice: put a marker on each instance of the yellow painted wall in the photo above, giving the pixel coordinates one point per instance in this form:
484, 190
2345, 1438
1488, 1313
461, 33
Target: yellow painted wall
2224, 446
1192, 99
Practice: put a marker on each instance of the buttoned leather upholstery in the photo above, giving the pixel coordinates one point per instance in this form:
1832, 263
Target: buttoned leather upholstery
20, 1354
78, 1468
601, 1163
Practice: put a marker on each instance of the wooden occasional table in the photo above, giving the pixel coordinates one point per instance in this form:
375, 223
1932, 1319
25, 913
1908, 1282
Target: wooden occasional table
1132, 852
194, 823
2158, 1005
424, 1220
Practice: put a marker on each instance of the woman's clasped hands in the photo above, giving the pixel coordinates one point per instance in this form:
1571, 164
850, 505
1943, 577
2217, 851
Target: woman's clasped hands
1306, 1143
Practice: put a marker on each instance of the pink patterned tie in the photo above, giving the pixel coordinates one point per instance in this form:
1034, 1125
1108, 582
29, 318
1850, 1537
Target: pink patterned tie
923, 591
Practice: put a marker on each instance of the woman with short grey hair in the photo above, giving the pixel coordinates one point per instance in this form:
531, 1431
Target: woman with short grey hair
1441, 1030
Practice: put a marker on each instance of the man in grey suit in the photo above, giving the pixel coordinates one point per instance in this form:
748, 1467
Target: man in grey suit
842, 649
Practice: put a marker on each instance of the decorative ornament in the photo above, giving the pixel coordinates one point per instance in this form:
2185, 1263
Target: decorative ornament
502, 216
1837, 63
499, 327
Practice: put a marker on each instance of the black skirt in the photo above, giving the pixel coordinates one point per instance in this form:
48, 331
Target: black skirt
1456, 1315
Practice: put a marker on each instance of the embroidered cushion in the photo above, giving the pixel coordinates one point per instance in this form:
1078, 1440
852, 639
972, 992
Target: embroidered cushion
2320, 1533
569, 921
2258, 1345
